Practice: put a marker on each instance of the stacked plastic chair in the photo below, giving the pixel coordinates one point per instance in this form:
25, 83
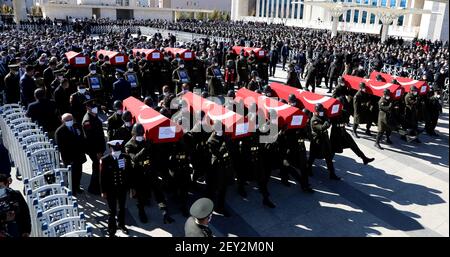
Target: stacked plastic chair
53, 208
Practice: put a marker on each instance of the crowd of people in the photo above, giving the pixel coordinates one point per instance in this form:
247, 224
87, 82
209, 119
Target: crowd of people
70, 103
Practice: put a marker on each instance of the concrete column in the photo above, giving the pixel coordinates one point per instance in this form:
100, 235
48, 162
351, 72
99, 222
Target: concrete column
384, 32
20, 11
334, 26
434, 26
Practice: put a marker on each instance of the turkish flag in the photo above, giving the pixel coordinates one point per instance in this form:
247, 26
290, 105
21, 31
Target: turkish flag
77, 59
406, 83
158, 128
374, 87
332, 106
115, 58
289, 116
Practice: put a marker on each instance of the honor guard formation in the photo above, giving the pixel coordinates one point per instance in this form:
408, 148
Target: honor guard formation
99, 111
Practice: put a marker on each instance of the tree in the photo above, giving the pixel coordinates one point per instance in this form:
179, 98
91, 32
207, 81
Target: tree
215, 15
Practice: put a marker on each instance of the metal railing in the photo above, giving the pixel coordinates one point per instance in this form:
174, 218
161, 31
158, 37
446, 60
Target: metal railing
52, 207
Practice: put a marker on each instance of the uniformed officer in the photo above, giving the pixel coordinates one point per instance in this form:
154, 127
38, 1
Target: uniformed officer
15, 218
95, 83
77, 102
221, 167
144, 178
201, 213
180, 76
215, 79
95, 142
411, 121
124, 131
121, 88
242, 70
198, 73
132, 77
293, 79
385, 106
434, 109
230, 75
115, 170
341, 139
320, 141
200, 134
115, 120
255, 82
12, 89
180, 170
362, 109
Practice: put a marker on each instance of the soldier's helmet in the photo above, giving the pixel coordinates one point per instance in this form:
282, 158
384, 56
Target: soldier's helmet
148, 100
413, 88
318, 107
129, 65
362, 85
92, 66
292, 98
117, 105
394, 81
138, 130
205, 94
379, 77
231, 93
126, 116
386, 92
230, 63
254, 74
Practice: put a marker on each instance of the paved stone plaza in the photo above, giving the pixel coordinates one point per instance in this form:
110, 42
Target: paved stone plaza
404, 192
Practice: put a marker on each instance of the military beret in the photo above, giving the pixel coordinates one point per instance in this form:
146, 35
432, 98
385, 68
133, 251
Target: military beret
202, 208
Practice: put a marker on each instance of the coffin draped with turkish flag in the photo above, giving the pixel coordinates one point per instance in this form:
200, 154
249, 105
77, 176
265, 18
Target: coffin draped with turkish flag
289, 116
374, 87
406, 83
115, 58
259, 52
234, 124
185, 54
150, 54
158, 128
309, 100
77, 60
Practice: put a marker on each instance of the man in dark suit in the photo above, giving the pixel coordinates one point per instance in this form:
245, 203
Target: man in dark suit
95, 143
27, 86
49, 76
121, 88
70, 140
62, 97
12, 90
43, 112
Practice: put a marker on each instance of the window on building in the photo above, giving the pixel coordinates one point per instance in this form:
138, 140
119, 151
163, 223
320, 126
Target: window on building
393, 2
383, 2
260, 7
296, 11
355, 18
372, 18
364, 17
280, 7
400, 20
348, 16
366, 1
285, 8
402, 3
301, 10
341, 18
269, 2
358, 1
374, 2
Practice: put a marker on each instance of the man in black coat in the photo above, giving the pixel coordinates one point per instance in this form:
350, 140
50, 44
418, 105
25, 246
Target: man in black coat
115, 170
121, 88
62, 97
273, 60
43, 112
27, 86
95, 143
320, 141
12, 89
77, 102
70, 140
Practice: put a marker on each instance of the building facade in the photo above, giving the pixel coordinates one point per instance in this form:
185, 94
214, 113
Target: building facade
113, 9
220, 5
431, 26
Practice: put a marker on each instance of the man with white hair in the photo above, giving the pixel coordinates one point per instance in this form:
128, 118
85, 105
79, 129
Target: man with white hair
70, 141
